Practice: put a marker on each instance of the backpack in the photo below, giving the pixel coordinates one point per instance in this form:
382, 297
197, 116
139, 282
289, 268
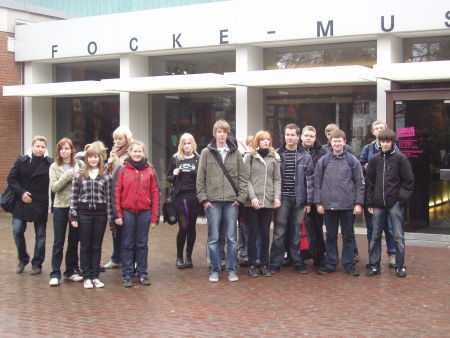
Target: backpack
349, 157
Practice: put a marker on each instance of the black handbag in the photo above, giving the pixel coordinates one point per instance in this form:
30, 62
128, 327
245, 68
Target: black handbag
168, 209
8, 200
169, 212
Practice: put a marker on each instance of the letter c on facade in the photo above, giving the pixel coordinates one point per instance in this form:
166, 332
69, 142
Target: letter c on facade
135, 40
92, 47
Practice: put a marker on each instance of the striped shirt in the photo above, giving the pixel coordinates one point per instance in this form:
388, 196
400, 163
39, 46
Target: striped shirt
288, 183
91, 196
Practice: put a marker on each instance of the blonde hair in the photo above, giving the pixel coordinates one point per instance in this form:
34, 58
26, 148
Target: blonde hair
309, 128
222, 124
261, 135
331, 127
96, 148
138, 144
180, 153
379, 122
39, 138
124, 132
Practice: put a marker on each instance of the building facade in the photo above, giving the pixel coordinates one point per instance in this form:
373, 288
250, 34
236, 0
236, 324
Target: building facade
257, 64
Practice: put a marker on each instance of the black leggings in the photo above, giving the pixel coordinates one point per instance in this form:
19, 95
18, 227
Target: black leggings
187, 210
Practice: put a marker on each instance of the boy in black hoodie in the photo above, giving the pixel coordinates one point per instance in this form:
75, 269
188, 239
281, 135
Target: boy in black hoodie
390, 183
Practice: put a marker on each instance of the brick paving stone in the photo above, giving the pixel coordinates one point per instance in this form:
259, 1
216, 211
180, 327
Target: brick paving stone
182, 303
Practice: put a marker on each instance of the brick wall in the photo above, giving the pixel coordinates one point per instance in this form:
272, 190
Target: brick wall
10, 111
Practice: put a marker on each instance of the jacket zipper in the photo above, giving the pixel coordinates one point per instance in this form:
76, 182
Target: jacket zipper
384, 169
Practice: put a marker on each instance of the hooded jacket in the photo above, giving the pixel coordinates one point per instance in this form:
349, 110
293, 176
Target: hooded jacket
135, 190
316, 151
304, 175
264, 179
389, 180
338, 187
23, 177
212, 184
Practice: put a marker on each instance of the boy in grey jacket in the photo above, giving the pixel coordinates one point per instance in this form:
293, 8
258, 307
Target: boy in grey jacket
221, 197
339, 195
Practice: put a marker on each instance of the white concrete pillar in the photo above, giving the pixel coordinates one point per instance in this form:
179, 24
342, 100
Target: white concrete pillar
249, 101
38, 111
134, 106
389, 50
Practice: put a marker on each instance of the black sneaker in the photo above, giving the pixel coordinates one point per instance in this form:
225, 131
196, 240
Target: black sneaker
188, 262
252, 271
127, 283
180, 263
324, 270
352, 271
301, 269
400, 271
144, 281
372, 271
275, 269
244, 264
265, 271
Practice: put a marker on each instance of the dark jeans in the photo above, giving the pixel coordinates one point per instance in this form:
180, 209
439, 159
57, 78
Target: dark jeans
243, 237
19, 228
288, 219
117, 244
387, 228
332, 220
396, 214
60, 222
91, 230
135, 241
259, 223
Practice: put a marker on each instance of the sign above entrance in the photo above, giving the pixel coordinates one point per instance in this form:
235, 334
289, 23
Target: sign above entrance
216, 25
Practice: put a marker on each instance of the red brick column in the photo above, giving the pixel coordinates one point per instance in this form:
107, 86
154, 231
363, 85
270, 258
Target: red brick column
11, 133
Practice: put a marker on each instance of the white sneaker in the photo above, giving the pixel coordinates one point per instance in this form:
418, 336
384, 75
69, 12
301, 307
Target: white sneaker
54, 282
214, 277
232, 277
76, 278
88, 284
97, 283
111, 265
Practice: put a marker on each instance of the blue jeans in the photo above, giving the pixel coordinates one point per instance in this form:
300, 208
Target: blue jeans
387, 228
60, 221
332, 219
91, 230
226, 213
135, 230
288, 220
396, 214
117, 244
19, 228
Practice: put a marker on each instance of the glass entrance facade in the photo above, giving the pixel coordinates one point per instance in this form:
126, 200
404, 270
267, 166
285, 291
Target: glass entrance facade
423, 129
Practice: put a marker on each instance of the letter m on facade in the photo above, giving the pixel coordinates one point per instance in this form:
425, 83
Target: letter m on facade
324, 32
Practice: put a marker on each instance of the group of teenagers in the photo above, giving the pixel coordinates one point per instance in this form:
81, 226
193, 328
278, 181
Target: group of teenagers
252, 187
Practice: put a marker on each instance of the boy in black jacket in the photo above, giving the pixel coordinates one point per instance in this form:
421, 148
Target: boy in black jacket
390, 183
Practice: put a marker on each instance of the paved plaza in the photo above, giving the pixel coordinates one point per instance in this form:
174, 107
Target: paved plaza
184, 303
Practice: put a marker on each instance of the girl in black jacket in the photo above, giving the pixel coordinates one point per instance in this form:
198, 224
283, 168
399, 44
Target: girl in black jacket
182, 173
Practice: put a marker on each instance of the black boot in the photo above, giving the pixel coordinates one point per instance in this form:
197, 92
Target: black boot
188, 262
180, 263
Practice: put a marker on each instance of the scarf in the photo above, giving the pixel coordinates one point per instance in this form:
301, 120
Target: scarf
138, 165
263, 152
121, 151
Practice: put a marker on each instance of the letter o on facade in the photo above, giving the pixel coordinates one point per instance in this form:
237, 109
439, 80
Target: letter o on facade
92, 47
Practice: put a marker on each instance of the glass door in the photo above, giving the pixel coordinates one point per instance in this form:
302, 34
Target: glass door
423, 131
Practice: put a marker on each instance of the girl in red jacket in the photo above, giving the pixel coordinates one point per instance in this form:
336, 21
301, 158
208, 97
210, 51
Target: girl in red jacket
136, 204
